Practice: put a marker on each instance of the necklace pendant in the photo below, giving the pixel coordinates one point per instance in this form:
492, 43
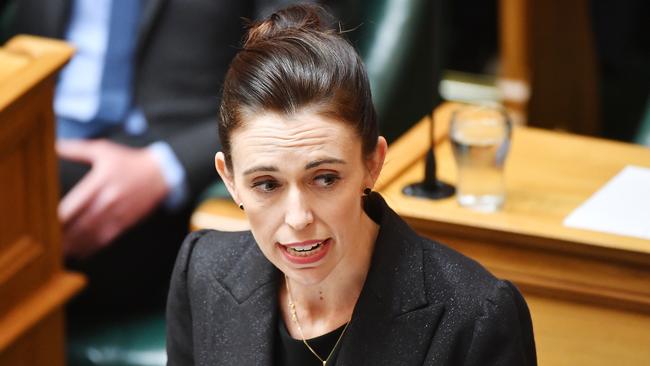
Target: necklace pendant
325, 363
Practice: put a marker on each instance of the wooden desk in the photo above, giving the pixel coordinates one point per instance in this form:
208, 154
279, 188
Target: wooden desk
33, 285
589, 292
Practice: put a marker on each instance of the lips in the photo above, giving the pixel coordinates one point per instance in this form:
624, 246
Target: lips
305, 252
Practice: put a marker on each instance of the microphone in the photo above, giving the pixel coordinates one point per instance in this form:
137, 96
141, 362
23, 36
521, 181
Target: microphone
430, 187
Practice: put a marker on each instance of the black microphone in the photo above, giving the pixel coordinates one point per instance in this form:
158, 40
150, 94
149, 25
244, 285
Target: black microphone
430, 187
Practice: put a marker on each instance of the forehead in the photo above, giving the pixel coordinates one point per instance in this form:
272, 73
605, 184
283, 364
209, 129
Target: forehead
295, 138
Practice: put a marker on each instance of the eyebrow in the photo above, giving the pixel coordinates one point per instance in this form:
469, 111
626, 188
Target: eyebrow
310, 165
316, 163
264, 168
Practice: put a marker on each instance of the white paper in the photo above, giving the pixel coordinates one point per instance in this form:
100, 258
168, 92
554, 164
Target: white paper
621, 206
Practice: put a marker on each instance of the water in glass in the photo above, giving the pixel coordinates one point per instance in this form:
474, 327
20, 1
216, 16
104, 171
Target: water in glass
480, 138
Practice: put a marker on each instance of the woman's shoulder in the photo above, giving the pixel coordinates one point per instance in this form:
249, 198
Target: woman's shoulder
490, 313
446, 271
214, 241
455, 267
449, 270
465, 285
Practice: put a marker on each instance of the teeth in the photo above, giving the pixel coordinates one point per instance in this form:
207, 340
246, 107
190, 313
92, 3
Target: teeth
305, 250
307, 247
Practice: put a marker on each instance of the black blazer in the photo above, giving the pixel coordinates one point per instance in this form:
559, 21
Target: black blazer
422, 304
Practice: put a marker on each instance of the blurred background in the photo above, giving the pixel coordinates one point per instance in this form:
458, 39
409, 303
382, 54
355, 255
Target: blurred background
581, 66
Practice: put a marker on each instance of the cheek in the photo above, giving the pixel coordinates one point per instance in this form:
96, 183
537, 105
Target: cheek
264, 224
262, 218
342, 212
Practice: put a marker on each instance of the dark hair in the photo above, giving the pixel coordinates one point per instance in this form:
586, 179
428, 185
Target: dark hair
292, 60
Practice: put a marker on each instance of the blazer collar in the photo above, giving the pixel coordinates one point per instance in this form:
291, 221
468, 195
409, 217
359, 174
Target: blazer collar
252, 284
393, 312
395, 263
251, 273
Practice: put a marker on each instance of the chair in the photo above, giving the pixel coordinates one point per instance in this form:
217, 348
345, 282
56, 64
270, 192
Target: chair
400, 43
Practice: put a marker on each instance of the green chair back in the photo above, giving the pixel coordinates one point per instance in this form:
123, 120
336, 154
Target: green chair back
400, 42
7, 11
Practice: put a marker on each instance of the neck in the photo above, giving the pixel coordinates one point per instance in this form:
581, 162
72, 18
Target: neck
329, 304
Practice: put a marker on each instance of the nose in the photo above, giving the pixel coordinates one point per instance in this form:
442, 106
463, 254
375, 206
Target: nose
298, 215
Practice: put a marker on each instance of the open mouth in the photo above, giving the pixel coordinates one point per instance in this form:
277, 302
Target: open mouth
306, 252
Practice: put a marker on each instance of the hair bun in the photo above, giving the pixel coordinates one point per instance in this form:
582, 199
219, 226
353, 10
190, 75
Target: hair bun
301, 17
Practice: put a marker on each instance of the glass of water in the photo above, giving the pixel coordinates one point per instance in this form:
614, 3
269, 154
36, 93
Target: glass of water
480, 137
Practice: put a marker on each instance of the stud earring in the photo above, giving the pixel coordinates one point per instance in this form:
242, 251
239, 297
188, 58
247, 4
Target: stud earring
241, 206
367, 191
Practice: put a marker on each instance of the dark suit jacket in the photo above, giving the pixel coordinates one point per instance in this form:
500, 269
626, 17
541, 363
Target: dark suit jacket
422, 304
184, 48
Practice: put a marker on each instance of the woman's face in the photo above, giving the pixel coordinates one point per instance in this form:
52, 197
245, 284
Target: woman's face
300, 179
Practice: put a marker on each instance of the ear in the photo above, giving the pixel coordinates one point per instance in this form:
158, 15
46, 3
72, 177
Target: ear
226, 175
376, 161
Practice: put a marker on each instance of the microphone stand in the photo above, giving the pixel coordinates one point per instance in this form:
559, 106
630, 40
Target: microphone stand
430, 187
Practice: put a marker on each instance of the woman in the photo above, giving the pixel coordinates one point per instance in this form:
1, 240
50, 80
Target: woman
328, 274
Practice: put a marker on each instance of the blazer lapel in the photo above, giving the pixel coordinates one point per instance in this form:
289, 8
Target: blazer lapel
393, 322
252, 286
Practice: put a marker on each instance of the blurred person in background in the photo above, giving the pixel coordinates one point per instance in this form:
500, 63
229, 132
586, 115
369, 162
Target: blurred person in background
136, 109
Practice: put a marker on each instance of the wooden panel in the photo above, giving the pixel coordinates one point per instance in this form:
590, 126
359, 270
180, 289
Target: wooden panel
33, 285
46, 337
29, 189
548, 64
11, 63
514, 79
570, 334
16, 256
38, 305
564, 82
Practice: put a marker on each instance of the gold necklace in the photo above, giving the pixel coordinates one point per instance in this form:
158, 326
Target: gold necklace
294, 318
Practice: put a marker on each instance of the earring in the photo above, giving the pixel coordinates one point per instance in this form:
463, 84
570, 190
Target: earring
241, 206
367, 191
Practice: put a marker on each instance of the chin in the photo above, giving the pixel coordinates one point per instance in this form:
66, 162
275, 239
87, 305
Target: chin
308, 276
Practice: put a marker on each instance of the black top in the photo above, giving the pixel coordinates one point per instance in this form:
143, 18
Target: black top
422, 304
293, 352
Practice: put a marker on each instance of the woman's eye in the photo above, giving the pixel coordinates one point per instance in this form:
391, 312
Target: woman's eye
265, 186
326, 180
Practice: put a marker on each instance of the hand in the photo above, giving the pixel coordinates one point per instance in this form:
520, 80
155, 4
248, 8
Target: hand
123, 185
